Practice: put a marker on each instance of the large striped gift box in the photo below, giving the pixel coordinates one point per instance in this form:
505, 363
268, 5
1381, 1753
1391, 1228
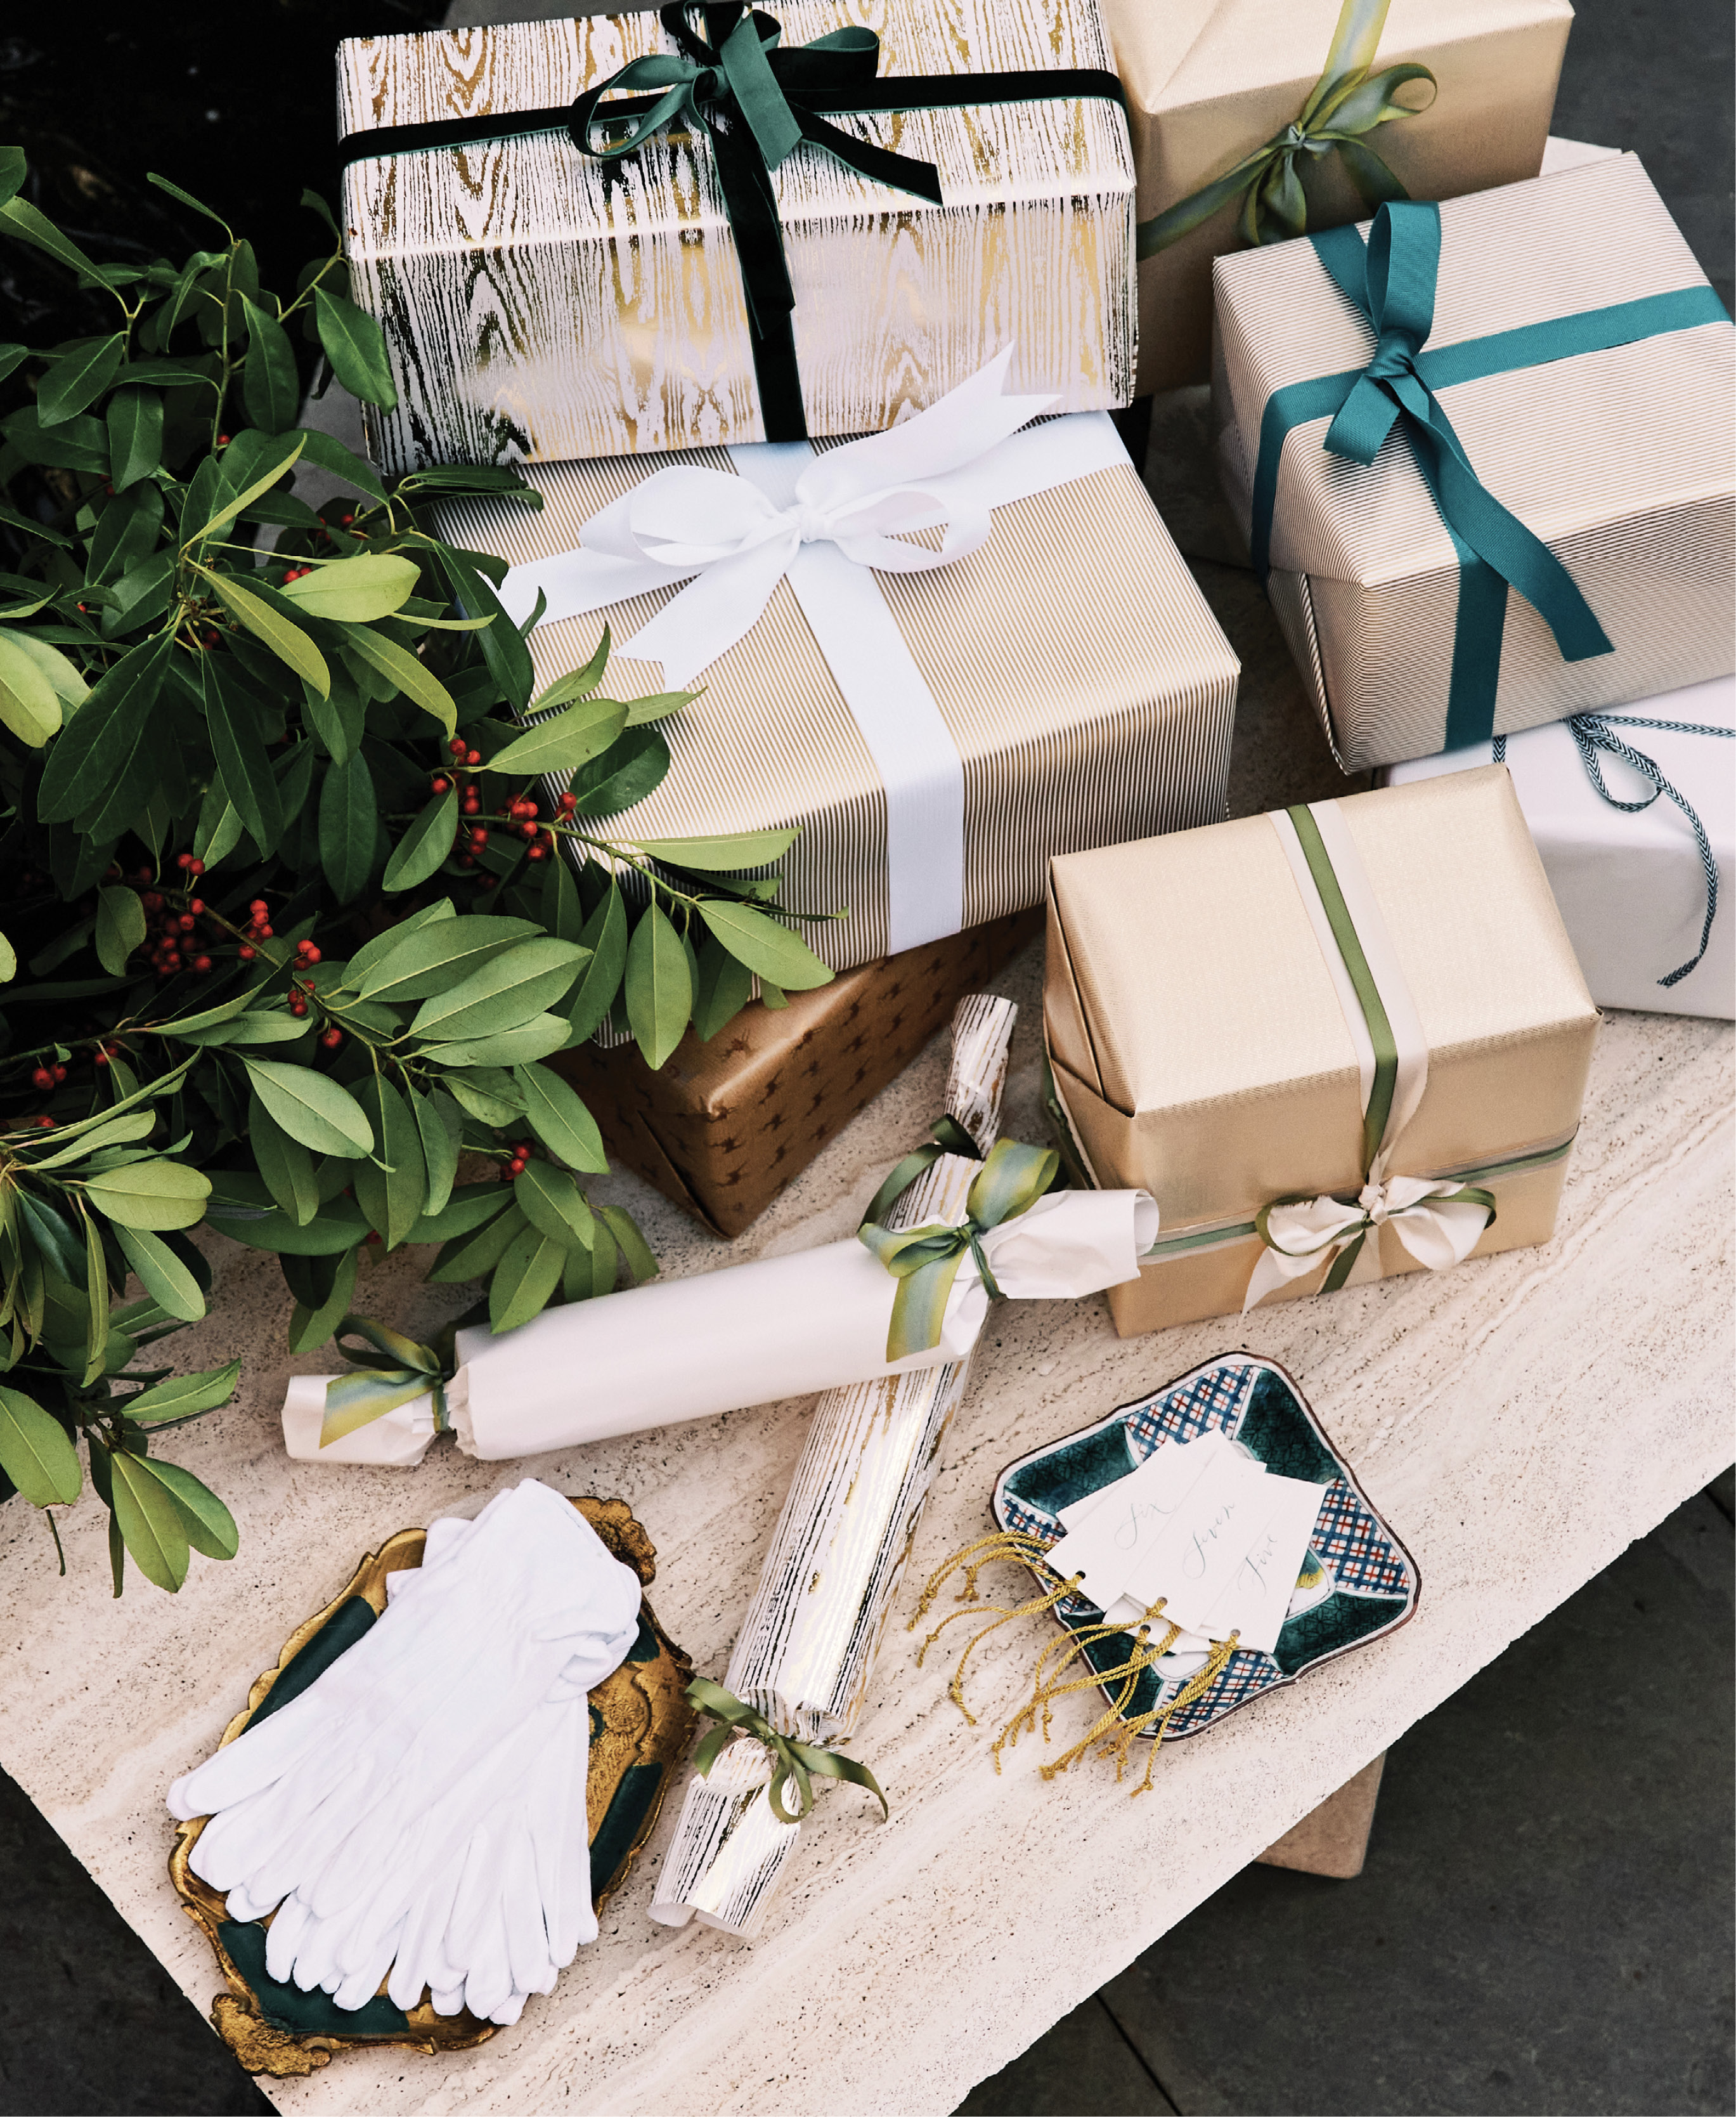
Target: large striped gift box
1484, 454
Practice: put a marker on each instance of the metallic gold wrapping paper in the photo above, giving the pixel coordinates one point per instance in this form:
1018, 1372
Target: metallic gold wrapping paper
806, 1645
1209, 81
1201, 1051
537, 303
1078, 669
1622, 461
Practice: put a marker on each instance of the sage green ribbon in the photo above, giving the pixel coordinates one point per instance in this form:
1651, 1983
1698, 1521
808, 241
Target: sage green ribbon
925, 1260
793, 1762
1348, 102
395, 1371
949, 1137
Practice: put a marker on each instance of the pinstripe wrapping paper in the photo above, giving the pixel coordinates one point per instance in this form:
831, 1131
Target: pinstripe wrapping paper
1073, 662
539, 304
1621, 461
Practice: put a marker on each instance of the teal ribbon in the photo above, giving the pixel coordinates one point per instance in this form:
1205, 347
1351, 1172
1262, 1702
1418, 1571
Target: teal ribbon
925, 1260
394, 1371
949, 1137
1348, 102
1391, 286
793, 1762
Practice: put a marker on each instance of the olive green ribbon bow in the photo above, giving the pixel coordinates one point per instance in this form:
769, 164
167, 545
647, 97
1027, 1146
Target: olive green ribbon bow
792, 1761
925, 1260
1347, 104
395, 1371
947, 1136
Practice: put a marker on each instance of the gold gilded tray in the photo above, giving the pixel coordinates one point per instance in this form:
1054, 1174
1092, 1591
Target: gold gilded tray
640, 1725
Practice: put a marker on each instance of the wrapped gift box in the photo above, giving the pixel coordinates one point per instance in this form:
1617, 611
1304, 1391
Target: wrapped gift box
724, 1125
1632, 885
540, 303
1209, 82
1201, 1028
1618, 457
1066, 685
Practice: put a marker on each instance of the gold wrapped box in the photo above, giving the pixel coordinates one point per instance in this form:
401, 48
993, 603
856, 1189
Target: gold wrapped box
1209, 82
1202, 1032
1579, 362
542, 303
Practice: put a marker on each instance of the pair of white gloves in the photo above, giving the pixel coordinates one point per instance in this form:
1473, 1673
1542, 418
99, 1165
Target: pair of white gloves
421, 1806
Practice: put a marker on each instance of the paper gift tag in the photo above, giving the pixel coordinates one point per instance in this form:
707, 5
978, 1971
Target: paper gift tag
1255, 1604
1196, 1553
1108, 1531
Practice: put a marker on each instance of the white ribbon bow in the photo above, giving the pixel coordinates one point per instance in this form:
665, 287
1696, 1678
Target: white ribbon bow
734, 543
1299, 1232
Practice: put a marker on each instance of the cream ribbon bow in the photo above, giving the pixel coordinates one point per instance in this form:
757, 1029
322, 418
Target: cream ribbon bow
733, 543
1300, 1231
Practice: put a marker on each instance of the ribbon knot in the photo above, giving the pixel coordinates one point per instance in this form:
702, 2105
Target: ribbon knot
792, 1761
1439, 1223
394, 1371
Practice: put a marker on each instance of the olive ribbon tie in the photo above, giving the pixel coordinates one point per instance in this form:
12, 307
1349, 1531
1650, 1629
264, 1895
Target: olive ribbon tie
394, 1371
1347, 104
1439, 1223
793, 1762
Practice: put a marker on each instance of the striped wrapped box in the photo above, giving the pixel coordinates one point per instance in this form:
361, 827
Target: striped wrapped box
539, 302
1580, 364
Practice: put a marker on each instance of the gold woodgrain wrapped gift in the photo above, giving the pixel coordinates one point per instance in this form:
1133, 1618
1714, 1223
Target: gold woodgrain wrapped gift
1200, 1033
1210, 81
545, 304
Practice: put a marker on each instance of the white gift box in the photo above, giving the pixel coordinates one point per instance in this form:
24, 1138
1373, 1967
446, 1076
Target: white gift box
1631, 884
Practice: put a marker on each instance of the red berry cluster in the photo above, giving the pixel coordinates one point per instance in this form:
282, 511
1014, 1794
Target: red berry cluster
521, 1154
301, 992
519, 817
171, 937
295, 572
344, 522
258, 927
49, 1077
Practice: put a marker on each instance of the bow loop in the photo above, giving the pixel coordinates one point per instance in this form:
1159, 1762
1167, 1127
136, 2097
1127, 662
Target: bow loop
792, 1761
1439, 1222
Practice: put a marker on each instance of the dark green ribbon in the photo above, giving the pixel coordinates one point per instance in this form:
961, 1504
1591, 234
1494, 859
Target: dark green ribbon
1391, 283
925, 1260
1348, 102
792, 1761
755, 102
394, 1371
949, 1137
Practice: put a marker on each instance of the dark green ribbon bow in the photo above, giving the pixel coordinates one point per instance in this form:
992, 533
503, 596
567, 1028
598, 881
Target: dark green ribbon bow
925, 1260
396, 1370
1348, 102
792, 1760
947, 1137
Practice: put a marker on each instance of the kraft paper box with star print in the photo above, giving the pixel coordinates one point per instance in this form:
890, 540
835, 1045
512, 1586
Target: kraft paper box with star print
1212, 1041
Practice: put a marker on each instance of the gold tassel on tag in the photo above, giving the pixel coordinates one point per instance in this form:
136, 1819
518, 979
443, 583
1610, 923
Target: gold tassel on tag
1112, 1736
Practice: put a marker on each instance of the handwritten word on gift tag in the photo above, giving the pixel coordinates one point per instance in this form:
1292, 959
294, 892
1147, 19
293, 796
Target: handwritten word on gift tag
1194, 1557
1108, 1531
1255, 1604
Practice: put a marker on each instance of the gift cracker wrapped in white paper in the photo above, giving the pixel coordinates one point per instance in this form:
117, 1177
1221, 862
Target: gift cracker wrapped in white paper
1634, 814
807, 1643
1333, 1043
617, 233
1484, 454
937, 713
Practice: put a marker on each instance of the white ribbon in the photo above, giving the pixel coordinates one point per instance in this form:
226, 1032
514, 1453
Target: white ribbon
1300, 1232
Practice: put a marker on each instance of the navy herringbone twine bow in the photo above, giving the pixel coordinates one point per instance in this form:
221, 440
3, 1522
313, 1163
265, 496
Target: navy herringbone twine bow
1593, 732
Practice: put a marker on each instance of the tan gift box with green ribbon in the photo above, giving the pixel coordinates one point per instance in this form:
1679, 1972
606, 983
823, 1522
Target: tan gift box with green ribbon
1333, 1043
1254, 118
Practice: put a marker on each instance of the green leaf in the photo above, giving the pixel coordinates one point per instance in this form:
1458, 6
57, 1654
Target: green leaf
219, 830
376, 951
313, 1322
8, 961
186, 198
562, 745
126, 533
634, 1247
440, 1125
282, 460
554, 1204
287, 641
96, 1299
332, 455
142, 592
63, 675
539, 1038
659, 986
157, 1193
502, 994
19, 217
726, 986
312, 1108
340, 719
241, 757
181, 1397
96, 752
470, 1207
14, 169
372, 584
205, 1521
162, 1273
769, 950
284, 1162
391, 1196
560, 1120
150, 1521
35, 1454
78, 378
576, 682
356, 349
605, 935
419, 853
349, 827
119, 1129
29, 705
269, 387
416, 681
135, 418
527, 1275
589, 1276
120, 927
469, 1256
509, 659
420, 961
735, 855
629, 770
658, 706
340, 1226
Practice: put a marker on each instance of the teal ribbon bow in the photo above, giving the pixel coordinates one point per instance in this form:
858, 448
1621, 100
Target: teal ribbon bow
947, 1137
793, 1761
1390, 284
925, 1260
395, 1371
1348, 102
